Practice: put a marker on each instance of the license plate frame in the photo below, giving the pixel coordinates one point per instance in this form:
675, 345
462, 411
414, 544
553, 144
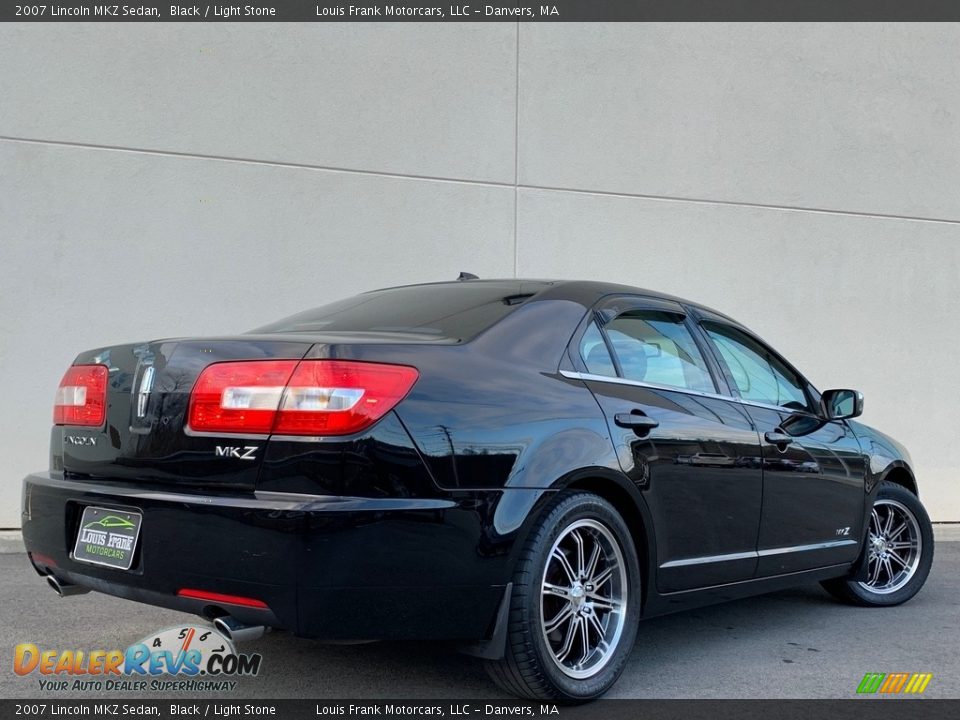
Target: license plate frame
114, 532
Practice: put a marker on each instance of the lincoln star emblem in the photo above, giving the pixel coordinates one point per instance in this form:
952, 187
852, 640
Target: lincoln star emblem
146, 387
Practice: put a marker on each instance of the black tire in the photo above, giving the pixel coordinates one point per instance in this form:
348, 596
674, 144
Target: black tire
850, 590
529, 668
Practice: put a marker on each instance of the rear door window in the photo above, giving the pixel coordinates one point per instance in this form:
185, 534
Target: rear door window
596, 356
656, 347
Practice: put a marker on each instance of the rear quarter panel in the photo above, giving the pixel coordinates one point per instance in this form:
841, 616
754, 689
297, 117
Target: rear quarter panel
496, 413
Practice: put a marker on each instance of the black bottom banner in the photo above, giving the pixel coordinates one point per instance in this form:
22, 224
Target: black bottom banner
872, 709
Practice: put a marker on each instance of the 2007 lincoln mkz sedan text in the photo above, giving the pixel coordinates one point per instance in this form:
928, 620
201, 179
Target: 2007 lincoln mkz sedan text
528, 467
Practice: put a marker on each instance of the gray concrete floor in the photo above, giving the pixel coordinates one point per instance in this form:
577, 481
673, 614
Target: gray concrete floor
794, 644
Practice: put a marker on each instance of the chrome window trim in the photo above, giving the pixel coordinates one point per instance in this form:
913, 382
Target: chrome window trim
699, 393
768, 406
779, 408
753, 554
639, 383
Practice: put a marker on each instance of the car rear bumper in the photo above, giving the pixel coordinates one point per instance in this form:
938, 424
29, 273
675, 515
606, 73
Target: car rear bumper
325, 567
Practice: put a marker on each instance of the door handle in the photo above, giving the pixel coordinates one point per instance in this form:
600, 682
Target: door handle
777, 438
638, 422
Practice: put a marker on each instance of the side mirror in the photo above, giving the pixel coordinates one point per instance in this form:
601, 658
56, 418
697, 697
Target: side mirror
841, 404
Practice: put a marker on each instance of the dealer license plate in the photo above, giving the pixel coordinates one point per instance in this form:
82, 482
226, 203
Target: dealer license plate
107, 537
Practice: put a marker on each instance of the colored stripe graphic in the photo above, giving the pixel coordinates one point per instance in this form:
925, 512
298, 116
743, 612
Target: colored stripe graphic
893, 683
870, 683
918, 683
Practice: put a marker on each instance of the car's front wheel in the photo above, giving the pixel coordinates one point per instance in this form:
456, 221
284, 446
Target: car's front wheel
898, 548
575, 603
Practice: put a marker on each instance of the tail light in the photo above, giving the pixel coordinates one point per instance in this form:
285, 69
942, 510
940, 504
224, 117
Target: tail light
311, 397
239, 397
82, 396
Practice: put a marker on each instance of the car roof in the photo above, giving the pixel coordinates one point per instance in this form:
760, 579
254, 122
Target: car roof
586, 292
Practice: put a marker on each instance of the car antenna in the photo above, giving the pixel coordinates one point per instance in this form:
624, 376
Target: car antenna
467, 276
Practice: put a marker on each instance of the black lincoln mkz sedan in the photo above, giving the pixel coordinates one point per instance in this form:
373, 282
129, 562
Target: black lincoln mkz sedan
526, 467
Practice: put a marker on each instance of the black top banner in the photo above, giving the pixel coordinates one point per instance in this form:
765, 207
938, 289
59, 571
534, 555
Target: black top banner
439, 11
236, 709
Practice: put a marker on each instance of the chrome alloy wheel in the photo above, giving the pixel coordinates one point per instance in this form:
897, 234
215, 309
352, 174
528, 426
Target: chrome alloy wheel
583, 598
894, 546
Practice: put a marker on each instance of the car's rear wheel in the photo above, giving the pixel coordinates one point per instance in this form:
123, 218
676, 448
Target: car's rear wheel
575, 603
898, 548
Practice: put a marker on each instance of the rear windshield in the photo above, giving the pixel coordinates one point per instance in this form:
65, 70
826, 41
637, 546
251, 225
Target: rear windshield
451, 311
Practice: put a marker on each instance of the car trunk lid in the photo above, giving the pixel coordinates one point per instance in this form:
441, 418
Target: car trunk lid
145, 437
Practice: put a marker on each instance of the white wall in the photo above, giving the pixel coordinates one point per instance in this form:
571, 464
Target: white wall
186, 179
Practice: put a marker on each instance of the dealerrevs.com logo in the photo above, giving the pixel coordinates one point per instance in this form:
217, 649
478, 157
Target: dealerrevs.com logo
199, 657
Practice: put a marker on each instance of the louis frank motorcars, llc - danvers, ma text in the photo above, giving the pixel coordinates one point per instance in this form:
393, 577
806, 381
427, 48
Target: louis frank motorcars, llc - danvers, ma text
265, 12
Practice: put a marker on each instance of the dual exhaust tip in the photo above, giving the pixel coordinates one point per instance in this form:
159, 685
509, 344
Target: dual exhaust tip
65, 589
227, 625
236, 631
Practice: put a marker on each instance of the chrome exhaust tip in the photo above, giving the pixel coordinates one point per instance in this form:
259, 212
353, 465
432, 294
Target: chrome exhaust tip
65, 589
236, 631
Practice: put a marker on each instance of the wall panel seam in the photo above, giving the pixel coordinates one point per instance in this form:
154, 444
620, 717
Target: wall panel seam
739, 203
516, 156
254, 161
515, 186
